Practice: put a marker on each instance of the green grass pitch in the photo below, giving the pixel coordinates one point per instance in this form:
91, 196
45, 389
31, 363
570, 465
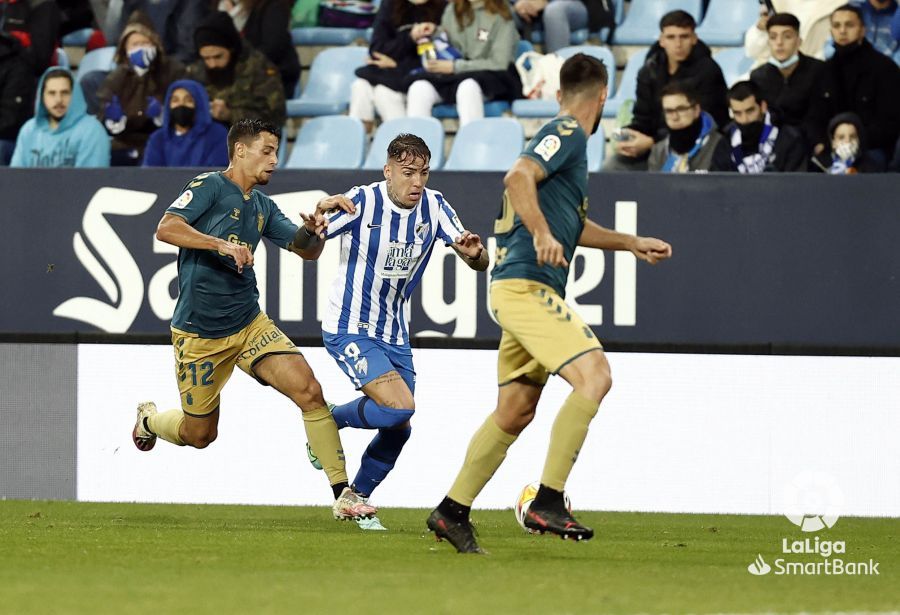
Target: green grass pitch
66, 557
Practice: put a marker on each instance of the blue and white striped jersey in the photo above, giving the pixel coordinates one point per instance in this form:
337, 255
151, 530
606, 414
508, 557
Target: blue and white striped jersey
384, 252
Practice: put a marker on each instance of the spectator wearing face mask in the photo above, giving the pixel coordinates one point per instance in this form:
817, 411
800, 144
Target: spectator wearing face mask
189, 137
791, 81
864, 81
754, 142
693, 134
848, 154
240, 81
131, 97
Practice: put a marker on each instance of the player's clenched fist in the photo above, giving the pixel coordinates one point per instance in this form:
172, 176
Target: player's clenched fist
651, 249
549, 251
241, 255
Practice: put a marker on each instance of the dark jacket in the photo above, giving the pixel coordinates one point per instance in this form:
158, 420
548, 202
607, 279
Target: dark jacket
204, 145
175, 21
133, 91
17, 85
867, 83
699, 72
788, 154
267, 30
256, 91
799, 99
36, 24
864, 162
390, 36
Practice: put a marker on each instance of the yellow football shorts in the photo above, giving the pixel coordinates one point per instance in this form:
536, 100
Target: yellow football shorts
541, 333
203, 365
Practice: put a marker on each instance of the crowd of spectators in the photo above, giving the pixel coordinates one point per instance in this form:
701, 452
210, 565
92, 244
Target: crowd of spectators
822, 95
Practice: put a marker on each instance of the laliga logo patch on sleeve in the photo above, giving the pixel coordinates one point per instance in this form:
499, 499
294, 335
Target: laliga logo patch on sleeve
182, 201
548, 146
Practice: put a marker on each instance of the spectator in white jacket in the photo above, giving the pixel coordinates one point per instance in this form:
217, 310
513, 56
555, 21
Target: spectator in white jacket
815, 28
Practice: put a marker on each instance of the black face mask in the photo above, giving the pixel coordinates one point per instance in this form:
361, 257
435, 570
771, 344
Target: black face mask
182, 116
843, 51
682, 140
750, 134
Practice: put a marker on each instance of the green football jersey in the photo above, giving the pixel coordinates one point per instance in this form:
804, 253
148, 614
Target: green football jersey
560, 147
214, 300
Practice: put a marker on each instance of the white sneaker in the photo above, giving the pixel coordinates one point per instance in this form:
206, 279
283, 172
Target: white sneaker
143, 439
350, 505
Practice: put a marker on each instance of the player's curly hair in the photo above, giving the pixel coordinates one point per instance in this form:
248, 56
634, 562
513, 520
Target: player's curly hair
408, 146
246, 130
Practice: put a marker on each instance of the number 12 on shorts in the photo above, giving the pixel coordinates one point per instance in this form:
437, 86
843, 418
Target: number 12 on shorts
206, 372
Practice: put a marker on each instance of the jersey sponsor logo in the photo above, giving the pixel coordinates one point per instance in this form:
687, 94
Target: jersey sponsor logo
548, 146
182, 201
235, 214
398, 261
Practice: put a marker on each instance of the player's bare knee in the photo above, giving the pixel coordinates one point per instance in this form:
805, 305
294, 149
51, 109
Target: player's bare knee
308, 396
200, 439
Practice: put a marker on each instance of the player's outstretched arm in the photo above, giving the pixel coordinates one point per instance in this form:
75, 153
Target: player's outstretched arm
647, 249
175, 230
521, 189
470, 249
310, 238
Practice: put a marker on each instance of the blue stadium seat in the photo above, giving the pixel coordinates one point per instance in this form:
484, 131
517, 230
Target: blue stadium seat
641, 26
78, 38
548, 108
726, 21
491, 144
329, 142
494, 108
317, 36
62, 58
430, 129
328, 90
98, 59
576, 37
734, 63
596, 150
628, 85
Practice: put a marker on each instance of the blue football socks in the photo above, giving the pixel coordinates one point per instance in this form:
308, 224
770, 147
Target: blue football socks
379, 458
363, 413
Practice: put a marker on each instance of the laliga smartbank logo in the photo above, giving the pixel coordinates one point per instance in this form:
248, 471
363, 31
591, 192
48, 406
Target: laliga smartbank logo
818, 493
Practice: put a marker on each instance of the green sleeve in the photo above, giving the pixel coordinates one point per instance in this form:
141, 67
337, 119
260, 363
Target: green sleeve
195, 199
558, 145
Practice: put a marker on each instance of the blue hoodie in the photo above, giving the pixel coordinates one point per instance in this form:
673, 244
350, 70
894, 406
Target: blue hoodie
79, 140
204, 145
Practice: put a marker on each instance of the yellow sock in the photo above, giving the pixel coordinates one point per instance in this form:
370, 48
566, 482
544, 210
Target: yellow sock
322, 433
486, 452
167, 425
566, 438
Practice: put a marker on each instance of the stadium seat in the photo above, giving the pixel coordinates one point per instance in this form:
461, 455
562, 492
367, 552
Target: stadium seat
430, 129
62, 58
726, 21
491, 144
641, 26
98, 59
328, 90
317, 36
627, 89
78, 38
596, 150
576, 37
494, 108
734, 64
548, 108
329, 142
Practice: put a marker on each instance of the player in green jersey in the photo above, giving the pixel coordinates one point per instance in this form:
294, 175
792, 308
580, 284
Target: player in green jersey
541, 222
217, 222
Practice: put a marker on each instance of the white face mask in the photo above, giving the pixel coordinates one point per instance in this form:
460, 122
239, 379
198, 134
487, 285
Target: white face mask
847, 150
786, 63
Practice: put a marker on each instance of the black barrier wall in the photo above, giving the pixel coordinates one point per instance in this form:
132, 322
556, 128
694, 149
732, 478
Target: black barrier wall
782, 260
